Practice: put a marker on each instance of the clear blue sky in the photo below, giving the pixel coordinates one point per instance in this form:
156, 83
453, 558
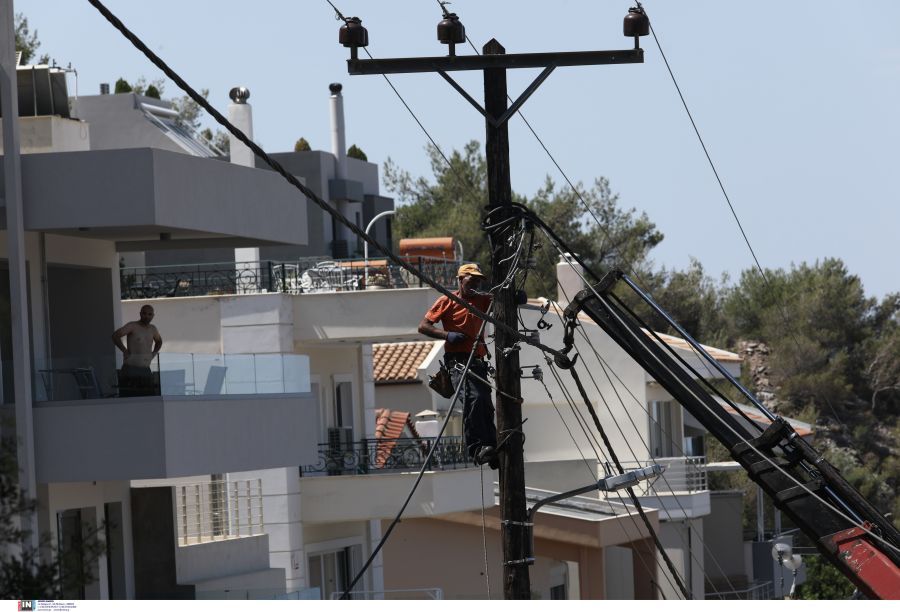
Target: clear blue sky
797, 101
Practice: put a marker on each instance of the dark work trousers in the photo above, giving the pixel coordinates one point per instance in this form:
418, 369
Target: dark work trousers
478, 408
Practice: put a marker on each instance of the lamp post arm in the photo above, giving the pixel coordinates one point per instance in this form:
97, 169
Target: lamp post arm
366, 244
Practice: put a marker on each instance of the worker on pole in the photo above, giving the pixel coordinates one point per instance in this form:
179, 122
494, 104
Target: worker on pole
462, 331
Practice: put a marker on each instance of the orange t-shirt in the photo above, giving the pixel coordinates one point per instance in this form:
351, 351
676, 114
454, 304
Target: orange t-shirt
454, 317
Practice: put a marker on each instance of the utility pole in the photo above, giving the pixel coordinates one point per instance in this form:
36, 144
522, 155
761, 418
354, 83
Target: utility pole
513, 513
515, 533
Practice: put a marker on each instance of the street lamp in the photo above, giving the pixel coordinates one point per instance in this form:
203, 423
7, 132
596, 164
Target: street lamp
793, 563
366, 244
782, 552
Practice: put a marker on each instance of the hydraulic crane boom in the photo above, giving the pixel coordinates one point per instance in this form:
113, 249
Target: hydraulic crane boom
848, 531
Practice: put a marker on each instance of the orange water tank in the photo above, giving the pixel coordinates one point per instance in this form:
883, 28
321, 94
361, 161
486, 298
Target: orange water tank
437, 248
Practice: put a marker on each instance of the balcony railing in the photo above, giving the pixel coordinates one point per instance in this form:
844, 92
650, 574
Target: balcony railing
218, 510
758, 591
681, 475
309, 275
172, 375
379, 455
394, 594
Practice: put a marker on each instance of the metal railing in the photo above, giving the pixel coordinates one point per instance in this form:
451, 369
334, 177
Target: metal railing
216, 510
757, 591
681, 475
308, 275
379, 455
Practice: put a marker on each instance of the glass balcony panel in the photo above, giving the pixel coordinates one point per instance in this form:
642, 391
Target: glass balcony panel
169, 375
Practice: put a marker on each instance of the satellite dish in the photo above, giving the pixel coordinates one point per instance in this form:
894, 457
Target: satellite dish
781, 551
793, 562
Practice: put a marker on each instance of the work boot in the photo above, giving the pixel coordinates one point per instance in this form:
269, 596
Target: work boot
487, 454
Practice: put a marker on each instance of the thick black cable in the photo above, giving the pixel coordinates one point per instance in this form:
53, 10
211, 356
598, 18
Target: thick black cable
634, 498
621, 400
200, 100
604, 463
425, 463
712, 165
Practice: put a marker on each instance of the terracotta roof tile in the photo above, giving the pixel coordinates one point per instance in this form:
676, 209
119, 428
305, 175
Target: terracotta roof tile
399, 361
389, 426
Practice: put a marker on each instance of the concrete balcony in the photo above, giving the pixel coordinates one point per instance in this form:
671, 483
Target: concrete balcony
174, 200
338, 499
167, 437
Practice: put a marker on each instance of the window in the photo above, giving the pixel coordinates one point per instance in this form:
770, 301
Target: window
333, 571
661, 429
343, 404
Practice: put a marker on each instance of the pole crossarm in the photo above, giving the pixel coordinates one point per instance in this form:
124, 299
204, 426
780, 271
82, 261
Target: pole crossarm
451, 63
498, 121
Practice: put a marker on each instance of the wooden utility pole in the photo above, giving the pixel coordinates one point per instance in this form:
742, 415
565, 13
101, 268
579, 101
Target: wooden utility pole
513, 513
494, 64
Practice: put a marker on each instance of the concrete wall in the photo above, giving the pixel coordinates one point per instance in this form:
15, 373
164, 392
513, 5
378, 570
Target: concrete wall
723, 536
283, 522
683, 542
211, 560
548, 439
155, 437
94, 256
49, 133
362, 316
117, 122
411, 561
81, 320
155, 545
355, 498
58, 497
165, 191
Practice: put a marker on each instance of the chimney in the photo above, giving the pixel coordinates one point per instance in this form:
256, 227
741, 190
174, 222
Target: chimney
568, 278
240, 114
338, 138
104, 89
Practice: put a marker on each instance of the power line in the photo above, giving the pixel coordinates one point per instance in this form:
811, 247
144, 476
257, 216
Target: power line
200, 100
737, 220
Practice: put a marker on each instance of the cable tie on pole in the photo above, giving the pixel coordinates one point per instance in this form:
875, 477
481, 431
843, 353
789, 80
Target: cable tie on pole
517, 523
525, 561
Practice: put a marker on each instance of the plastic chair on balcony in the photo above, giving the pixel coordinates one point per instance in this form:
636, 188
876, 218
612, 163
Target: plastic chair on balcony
85, 382
172, 382
215, 380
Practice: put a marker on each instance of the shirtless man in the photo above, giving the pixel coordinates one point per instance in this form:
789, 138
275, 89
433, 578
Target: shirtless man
144, 343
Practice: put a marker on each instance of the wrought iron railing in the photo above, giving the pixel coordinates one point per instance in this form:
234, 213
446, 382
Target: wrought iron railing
380, 455
309, 275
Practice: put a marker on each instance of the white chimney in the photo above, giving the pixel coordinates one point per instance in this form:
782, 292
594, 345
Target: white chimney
240, 114
338, 136
350, 210
568, 278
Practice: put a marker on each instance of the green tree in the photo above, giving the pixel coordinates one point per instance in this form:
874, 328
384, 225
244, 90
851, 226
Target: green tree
26, 573
188, 111
302, 145
823, 581
453, 204
122, 86
27, 42
356, 153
